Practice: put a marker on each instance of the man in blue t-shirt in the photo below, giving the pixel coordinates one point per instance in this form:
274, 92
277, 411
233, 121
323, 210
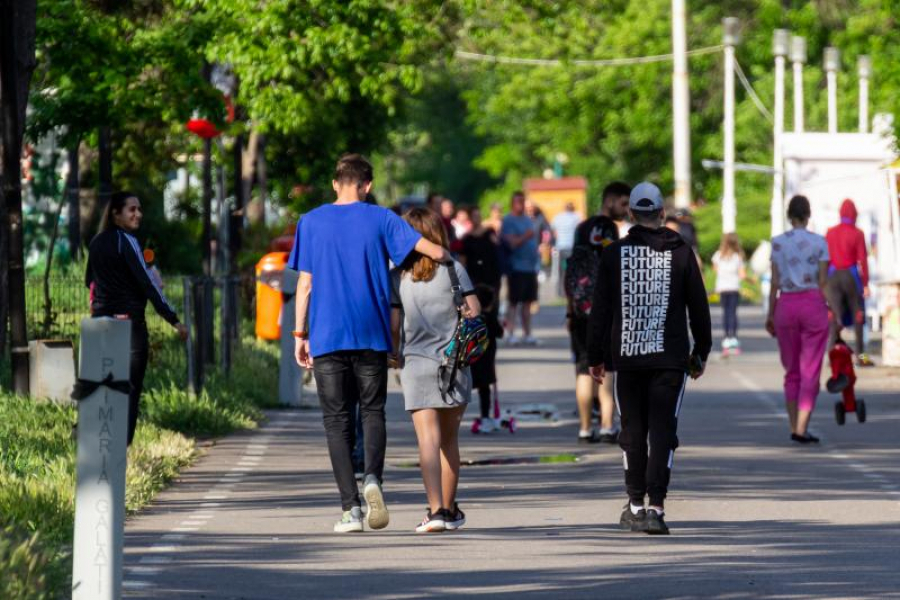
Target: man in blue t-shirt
343, 327
518, 231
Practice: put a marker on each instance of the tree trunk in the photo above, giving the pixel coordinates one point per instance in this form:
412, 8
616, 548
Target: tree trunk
248, 177
262, 179
207, 206
236, 220
73, 194
17, 61
106, 167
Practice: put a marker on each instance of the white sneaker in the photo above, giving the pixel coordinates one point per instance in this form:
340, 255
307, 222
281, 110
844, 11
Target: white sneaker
512, 340
351, 521
529, 340
377, 516
487, 426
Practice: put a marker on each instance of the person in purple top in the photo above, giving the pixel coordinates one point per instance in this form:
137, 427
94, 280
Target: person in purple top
343, 326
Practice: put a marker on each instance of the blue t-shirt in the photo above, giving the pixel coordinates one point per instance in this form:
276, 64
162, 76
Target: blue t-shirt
346, 250
525, 258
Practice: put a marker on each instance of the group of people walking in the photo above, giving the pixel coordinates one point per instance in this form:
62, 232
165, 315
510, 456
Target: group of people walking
378, 290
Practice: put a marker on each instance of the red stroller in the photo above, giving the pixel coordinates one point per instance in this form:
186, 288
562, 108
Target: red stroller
842, 381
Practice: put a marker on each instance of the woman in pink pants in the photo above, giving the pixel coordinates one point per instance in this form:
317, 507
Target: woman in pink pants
798, 314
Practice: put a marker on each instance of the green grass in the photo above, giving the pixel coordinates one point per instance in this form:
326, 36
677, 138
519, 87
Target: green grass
37, 456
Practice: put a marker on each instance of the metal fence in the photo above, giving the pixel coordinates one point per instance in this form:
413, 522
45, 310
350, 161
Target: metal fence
213, 315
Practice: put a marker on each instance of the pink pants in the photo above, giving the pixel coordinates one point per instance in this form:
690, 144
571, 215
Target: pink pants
801, 326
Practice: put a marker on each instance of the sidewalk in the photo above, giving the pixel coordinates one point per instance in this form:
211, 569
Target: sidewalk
751, 515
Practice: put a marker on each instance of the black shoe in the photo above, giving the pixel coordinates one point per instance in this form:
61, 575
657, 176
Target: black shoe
655, 524
454, 519
594, 438
609, 438
806, 438
633, 522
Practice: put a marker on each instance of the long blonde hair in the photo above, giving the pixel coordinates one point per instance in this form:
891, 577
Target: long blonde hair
429, 224
730, 244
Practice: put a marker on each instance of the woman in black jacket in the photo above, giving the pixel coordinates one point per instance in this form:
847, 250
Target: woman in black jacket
121, 285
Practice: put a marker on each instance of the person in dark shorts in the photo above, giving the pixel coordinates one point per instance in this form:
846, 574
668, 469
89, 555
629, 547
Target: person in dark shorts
520, 234
848, 279
648, 284
591, 237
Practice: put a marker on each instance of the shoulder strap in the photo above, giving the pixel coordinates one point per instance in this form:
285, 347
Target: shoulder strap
455, 286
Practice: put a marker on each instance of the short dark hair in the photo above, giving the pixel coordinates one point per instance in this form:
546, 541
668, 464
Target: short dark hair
798, 208
646, 217
616, 189
518, 193
354, 169
115, 205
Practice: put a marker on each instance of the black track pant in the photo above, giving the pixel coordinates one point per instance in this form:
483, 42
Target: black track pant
648, 402
843, 294
140, 353
335, 374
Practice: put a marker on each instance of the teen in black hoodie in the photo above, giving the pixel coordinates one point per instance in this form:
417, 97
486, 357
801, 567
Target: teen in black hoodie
648, 284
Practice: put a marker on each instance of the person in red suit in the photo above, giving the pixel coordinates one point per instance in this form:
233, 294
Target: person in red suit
848, 278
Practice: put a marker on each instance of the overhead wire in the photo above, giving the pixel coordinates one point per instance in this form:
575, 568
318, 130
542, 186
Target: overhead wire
752, 93
552, 62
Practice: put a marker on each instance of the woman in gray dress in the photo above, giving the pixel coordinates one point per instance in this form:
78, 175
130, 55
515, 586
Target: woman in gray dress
423, 321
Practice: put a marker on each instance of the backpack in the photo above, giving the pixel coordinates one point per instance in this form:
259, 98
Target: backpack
580, 278
468, 344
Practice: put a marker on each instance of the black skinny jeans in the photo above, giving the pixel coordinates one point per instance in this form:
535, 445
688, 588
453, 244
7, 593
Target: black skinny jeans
335, 374
649, 402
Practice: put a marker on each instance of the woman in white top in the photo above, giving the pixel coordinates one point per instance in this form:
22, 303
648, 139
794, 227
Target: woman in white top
798, 314
728, 263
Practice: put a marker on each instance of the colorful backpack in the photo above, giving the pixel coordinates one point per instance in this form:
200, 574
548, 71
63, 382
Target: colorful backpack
580, 277
468, 344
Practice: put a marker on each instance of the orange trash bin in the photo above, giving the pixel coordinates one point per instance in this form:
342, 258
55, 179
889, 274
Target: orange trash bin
269, 271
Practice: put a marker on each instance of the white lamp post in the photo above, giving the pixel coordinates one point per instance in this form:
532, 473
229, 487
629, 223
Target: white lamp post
864, 70
832, 64
680, 106
729, 204
780, 43
798, 58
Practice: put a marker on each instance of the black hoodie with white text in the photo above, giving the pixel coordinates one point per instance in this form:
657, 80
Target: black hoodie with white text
648, 284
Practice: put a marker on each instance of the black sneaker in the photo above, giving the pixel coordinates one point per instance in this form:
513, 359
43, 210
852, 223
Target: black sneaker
594, 438
806, 438
656, 525
633, 522
433, 522
454, 519
609, 438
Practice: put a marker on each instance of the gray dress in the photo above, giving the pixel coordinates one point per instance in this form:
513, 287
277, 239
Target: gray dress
429, 320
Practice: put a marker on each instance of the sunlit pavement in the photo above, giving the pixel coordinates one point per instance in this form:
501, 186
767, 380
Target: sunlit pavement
751, 514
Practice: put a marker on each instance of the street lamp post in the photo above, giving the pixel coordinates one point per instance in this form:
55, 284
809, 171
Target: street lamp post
798, 58
680, 106
864, 70
729, 204
832, 64
780, 44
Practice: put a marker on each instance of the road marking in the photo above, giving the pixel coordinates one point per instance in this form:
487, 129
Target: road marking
201, 515
136, 585
761, 394
190, 524
215, 497
185, 529
173, 537
156, 560
210, 504
139, 570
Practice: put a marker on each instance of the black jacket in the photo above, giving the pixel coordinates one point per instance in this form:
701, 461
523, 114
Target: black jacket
122, 282
647, 285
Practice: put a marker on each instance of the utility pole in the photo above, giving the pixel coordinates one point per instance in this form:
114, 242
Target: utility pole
680, 106
864, 70
798, 58
780, 49
832, 64
729, 203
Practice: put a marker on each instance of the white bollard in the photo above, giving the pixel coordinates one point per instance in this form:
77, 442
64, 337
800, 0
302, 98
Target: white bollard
102, 432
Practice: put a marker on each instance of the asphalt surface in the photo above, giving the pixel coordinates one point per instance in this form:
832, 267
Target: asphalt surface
751, 514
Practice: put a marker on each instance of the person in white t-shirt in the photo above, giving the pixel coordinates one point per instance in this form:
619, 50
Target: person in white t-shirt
728, 263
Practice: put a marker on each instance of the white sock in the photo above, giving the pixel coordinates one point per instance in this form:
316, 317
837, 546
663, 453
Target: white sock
657, 509
584, 433
635, 508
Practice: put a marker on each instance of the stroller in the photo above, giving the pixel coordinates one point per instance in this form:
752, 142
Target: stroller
842, 381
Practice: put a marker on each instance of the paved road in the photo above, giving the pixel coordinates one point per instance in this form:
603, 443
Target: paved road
751, 514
